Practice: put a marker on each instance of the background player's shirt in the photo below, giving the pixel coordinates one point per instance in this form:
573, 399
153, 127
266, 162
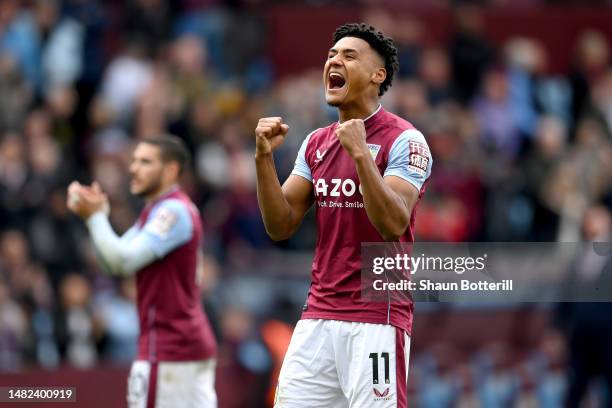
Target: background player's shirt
173, 326
169, 226
342, 222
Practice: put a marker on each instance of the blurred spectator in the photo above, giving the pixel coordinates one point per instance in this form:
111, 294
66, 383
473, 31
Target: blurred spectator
581, 178
499, 132
408, 32
602, 98
525, 60
29, 285
46, 46
15, 94
498, 382
276, 336
13, 326
548, 149
13, 176
149, 21
440, 385
470, 52
53, 221
588, 326
242, 355
61, 103
185, 82
125, 80
119, 319
550, 365
591, 60
245, 31
435, 72
412, 101
76, 329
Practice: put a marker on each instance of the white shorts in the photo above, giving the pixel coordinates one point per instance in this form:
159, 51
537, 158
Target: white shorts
335, 364
172, 384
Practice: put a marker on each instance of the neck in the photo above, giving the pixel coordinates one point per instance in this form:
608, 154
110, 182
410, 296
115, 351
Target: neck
160, 192
358, 111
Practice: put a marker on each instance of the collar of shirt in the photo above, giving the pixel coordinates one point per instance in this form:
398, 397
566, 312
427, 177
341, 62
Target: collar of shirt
374, 113
370, 115
171, 190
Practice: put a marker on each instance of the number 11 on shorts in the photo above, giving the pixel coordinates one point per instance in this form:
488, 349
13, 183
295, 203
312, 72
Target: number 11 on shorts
374, 357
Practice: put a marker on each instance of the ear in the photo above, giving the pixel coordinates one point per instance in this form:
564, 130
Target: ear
378, 76
173, 170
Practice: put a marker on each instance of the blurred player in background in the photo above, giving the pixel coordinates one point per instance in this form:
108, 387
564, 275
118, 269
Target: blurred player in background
366, 174
175, 366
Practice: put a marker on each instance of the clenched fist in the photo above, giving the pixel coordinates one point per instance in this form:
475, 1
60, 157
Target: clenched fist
270, 133
352, 136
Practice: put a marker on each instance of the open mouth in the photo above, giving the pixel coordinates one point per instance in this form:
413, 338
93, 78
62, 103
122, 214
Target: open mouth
336, 81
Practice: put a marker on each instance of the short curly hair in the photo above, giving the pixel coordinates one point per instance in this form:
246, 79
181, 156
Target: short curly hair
379, 42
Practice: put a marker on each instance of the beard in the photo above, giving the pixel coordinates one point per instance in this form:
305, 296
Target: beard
148, 189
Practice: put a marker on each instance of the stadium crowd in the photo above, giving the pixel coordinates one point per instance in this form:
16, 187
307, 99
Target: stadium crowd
521, 154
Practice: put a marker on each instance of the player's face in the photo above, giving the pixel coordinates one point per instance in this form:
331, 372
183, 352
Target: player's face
146, 170
352, 70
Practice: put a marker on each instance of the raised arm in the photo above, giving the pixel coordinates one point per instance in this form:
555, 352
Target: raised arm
282, 207
388, 199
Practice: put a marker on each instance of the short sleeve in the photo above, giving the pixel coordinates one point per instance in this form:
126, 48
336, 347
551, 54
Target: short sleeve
169, 226
301, 167
410, 158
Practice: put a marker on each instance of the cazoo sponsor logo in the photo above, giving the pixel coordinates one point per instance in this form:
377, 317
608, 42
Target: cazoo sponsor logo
336, 187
